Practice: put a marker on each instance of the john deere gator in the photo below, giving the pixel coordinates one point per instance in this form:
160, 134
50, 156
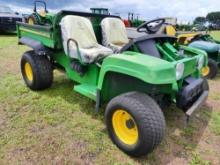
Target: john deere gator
134, 77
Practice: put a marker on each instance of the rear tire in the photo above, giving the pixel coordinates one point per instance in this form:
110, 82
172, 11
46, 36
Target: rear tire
146, 118
212, 69
36, 70
32, 20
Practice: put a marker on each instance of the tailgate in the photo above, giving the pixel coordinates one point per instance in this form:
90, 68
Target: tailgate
43, 34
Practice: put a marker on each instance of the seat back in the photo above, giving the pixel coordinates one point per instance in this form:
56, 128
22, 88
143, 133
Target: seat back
79, 29
79, 40
170, 30
114, 32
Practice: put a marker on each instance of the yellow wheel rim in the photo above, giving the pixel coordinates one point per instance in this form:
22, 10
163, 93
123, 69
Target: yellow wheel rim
205, 71
30, 21
125, 127
28, 71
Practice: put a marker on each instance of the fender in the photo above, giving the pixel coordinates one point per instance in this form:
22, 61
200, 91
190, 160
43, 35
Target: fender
39, 48
143, 67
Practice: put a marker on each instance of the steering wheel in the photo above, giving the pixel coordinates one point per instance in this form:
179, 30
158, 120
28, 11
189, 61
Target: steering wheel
147, 27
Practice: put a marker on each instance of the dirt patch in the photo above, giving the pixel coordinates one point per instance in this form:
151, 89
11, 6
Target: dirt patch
3, 119
179, 161
51, 150
9, 66
53, 144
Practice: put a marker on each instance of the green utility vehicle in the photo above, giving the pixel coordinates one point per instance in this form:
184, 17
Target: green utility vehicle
40, 14
201, 41
207, 43
135, 77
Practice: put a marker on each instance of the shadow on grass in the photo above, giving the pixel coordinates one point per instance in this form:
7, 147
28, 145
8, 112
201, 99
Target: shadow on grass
8, 34
217, 78
62, 87
179, 141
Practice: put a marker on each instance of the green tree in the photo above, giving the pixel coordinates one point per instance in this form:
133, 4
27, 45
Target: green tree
199, 20
213, 17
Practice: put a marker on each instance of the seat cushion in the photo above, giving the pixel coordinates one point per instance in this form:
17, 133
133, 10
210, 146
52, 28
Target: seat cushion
91, 55
81, 30
114, 33
209, 47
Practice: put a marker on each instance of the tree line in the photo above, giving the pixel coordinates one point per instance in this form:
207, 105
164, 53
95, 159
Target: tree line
213, 19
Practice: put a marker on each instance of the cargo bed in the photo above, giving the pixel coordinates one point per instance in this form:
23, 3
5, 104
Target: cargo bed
43, 34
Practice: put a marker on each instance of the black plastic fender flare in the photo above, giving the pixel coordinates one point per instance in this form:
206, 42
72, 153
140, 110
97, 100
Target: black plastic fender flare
37, 46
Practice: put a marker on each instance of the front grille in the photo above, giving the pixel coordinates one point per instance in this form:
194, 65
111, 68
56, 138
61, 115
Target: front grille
10, 20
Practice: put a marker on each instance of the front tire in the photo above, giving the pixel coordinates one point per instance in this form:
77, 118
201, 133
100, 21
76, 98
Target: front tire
135, 123
36, 70
211, 70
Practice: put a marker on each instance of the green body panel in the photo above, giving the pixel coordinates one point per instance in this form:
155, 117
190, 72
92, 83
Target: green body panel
143, 67
36, 33
87, 90
90, 77
131, 65
136, 72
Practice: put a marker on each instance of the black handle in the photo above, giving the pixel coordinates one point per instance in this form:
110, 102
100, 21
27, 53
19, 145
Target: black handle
77, 47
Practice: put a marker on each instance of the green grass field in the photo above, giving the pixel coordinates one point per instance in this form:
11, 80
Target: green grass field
216, 34
59, 126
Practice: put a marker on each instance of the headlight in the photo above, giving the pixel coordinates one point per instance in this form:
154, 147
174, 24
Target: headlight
179, 70
201, 62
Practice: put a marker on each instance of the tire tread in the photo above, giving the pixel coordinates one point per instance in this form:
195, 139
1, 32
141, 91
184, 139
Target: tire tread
150, 120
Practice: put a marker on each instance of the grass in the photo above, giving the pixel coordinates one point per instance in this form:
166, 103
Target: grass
59, 126
216, 34
215, 124
197, 160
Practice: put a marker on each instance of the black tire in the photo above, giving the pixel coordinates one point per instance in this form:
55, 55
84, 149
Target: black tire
213, 69
42, 71
148, 117
33, 18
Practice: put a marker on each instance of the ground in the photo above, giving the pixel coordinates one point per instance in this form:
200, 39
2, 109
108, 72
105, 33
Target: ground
59, 126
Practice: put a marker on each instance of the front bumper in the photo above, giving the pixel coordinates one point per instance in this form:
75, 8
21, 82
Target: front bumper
198, 103
193, 94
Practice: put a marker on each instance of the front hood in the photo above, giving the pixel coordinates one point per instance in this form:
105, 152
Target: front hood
147, 68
